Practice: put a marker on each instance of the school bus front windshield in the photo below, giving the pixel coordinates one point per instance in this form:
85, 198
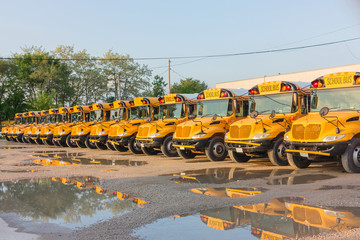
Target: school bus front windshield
220, 107
76, 117
52, 118
17, 121
43, 119
336, 99
140, 112
95, 115
24, 120
118, 113
30, 120
172, 110
264, 104
61, 117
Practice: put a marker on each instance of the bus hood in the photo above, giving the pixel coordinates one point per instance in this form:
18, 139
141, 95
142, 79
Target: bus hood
188, 129
125, 128
158, 128
334, 127
262, 127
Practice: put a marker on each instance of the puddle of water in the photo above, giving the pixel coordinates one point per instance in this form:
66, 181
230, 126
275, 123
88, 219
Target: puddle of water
281, 218
339, 187
225, 175
76, 159
68, 202
229, 192
22, 171
55, 151
13, 147
300, 179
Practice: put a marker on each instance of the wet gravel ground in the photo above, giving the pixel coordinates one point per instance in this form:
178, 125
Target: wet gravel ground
168, 195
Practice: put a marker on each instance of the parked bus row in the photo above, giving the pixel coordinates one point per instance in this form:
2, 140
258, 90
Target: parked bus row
280, 120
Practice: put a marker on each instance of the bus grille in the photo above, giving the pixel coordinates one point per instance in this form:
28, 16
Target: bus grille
183, 131
56, 131
143, 132
113, 132
93, 131
240, 132
310, 132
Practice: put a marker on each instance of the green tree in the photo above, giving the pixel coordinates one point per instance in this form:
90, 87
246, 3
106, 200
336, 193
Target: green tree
188, 85
158, 87
43, 100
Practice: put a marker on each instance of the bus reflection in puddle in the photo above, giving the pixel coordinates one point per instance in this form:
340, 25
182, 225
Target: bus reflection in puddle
227, 175
229, 192
280, 218
68, 202
75, 159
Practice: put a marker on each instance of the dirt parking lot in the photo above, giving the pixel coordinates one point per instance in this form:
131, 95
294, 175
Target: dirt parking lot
65, 193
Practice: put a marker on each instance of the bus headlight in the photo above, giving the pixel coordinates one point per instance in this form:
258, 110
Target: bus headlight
123, 134
226, 136
100, 133
286, 137
154, 135
331, 138
80, 133
334, 213
61, 133
261, 135
199, 135
47, 133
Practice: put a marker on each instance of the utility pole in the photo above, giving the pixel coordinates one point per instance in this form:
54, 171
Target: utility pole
119, 87
169, 76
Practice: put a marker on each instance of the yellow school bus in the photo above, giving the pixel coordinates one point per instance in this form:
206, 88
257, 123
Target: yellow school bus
18, 131
64, 119
35, 131
80, 134
33, 120
122, 136
45, 130
5, 125
9, 129
158, 134
332, 129
217, 108
273, 107
99, 132
62, 133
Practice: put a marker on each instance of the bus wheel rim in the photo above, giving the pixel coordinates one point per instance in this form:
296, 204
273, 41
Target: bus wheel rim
218, 149
356, 156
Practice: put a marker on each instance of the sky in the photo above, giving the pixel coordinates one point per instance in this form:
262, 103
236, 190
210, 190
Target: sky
143, 28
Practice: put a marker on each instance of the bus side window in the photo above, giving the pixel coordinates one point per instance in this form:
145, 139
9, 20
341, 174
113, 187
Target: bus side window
238, 108
245, 109
192, 109
230, 108
305, 104
107, 115
87, 117
155, 113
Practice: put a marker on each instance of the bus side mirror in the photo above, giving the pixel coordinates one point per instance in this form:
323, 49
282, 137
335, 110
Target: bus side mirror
314, 102
254, 114
148, 120
192, 116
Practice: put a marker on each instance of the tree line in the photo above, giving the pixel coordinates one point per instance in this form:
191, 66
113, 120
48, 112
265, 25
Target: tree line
36, 79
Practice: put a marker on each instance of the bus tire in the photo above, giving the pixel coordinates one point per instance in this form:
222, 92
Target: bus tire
216, 150
167, 147
149, 151
70, 143
298, 161
277, 153
7, 138
32, 141
350, 159
186, 154
101, 146
120, 148
48, 142
39, 141
24, 139
238, 157
88, 143
56, 143
134, 148
110, 146
19, 139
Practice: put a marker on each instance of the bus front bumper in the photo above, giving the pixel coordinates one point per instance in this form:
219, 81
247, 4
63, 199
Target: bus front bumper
60, 138
317, 149
198, 145
123, 141
48, 137
99, 139
150, 142
260, 146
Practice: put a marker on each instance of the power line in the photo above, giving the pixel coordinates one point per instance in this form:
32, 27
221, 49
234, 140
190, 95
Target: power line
177, 73
190, 57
